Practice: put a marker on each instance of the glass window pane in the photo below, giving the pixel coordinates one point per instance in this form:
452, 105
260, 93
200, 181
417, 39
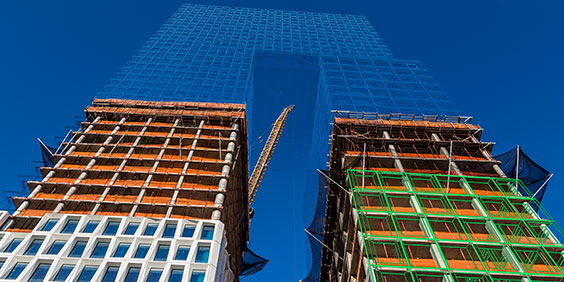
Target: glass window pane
16, 270
203, 254
188, 231
111, 228
150, 229
90, 226
170, 230
56, 247
154, 274
49, 224
162, 252
70, 226
100, 250
132, 274
33, 247
111, 274
182, 253
64, 272
131, 228
176, 275
142, 250
40, 272
207, 232
87, 273
198, 276
13, 245
121, 250
78, 249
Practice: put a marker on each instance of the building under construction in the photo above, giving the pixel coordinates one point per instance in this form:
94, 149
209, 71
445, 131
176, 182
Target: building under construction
421, 199
144, 191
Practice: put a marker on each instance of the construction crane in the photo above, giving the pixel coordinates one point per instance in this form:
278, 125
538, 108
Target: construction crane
266, 155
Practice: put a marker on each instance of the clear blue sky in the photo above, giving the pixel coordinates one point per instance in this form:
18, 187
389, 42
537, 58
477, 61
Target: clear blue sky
501, 61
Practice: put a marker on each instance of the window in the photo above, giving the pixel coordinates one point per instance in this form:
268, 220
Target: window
56, 247
176, 275
131, 228
90, 226
13, 245
142, 250
150, 229
64, 272
170, 229
203, 254
162, 252
111, 274
100, 250
87, 273
198, 276
132, 274
49, 224
70, 226
40, 272
78, 249
33, 247
154, 274
111, 228
182, 253
188, 231
207, 232
16, 270
121, 250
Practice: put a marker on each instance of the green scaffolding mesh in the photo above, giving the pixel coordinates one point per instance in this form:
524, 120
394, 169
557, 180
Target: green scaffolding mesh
423, 227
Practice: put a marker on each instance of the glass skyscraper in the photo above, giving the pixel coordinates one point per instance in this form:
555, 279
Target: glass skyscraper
264, 58
207, 53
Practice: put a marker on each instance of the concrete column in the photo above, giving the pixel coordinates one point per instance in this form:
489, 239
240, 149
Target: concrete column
392, 150
500, 172
84, 174
122, 165
478, 205
155, 165
51, 173
185, 168
225, 171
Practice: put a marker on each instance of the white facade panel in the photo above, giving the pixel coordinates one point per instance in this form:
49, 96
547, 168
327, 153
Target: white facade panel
99, 254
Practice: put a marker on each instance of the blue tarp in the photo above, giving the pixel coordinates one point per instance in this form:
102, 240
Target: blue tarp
316, 230
252, 263
47, 154
531, 174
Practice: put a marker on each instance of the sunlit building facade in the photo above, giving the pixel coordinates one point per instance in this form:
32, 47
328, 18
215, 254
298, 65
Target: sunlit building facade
144, 191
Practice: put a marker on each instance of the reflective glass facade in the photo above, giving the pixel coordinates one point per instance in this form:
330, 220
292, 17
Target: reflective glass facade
207, 54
